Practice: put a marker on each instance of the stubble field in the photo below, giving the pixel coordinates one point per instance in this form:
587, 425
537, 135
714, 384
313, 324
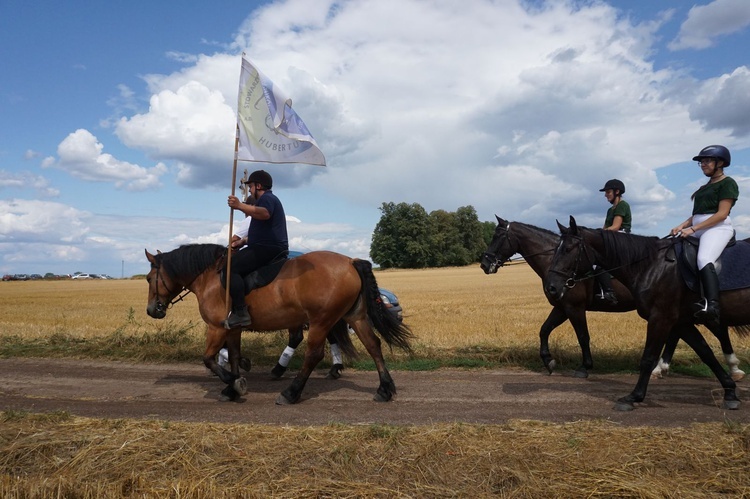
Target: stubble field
460, 318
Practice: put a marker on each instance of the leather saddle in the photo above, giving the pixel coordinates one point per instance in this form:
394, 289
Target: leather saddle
260, 277
732, 267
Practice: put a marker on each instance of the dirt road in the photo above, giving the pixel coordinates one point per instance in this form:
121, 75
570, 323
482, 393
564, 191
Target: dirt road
187, 392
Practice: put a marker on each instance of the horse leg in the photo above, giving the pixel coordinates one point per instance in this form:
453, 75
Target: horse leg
314, 353
387, 388
577, 318
662, 367
696, 341
295, 338
722, 334
216, 336
554, 319
337, 363
656, 337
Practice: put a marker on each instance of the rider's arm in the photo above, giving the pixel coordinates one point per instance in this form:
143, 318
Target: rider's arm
616, 224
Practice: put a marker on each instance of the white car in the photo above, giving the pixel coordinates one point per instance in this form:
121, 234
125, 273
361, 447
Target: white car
83, 276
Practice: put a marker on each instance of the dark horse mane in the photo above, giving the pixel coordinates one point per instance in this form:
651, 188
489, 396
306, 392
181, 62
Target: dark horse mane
191, 260
629, 249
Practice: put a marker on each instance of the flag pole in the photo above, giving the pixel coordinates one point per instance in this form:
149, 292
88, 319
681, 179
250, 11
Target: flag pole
227, 299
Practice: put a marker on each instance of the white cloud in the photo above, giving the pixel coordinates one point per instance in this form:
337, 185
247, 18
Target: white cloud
27, 180
80, 154
724, 103
191, 125
707, 22
400, 104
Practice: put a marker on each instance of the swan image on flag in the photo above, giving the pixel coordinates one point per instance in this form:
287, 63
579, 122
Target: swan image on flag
269, 129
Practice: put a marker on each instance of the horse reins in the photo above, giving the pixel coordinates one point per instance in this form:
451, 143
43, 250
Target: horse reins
502, 263
159, 303
583, 248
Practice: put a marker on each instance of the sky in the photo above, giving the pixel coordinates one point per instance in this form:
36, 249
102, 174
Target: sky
117, 119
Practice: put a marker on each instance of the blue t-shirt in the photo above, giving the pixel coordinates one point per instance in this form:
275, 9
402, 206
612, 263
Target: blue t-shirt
271, 232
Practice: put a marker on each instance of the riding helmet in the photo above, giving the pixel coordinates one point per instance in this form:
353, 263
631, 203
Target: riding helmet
614, 184
262, 177
718, 152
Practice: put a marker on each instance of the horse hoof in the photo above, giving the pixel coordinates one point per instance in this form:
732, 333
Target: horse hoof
245, 364
282, 400
335, 372
240, 386
624, 406
278, 371
731, 405
580, 373
551, 366
738, 375
379, 397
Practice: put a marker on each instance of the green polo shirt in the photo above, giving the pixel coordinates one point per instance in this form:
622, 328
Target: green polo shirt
622, 209
706, 199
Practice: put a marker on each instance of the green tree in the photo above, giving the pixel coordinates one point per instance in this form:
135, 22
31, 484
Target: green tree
471, 232
402, 237
488, 232
447, 240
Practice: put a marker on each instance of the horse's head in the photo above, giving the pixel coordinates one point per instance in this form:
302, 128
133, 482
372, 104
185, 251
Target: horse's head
572, 259
501, 248
161, 287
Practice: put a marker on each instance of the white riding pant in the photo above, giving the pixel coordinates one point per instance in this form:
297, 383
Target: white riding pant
713, 240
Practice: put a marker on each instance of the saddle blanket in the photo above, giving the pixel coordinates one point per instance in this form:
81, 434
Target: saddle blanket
734, 269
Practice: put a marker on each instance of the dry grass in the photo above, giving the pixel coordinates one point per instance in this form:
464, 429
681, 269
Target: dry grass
456, 310
57, 456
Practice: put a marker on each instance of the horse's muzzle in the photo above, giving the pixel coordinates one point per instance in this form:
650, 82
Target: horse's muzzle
156, 310
554, 292
489, 264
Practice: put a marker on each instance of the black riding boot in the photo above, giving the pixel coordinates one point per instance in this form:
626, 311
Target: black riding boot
238, 317
605, 282
708, 308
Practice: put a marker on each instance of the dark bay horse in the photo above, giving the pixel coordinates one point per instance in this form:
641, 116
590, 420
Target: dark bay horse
661, 296
537, 247
323, 289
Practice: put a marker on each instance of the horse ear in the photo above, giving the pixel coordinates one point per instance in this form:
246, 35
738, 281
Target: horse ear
158, 252
561, 227
573, 225
149, 256
499, 222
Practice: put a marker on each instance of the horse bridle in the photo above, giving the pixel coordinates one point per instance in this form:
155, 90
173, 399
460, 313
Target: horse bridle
160, 307
572, 280
497, 262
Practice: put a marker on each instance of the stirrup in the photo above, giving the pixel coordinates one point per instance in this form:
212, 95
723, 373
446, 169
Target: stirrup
237, 319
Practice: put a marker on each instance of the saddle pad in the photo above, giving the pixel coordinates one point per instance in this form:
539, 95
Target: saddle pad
734, 272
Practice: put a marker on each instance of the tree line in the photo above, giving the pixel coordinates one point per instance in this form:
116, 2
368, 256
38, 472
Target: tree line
407, 237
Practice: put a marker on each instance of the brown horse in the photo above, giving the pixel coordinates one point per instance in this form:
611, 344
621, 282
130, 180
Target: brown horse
323, 289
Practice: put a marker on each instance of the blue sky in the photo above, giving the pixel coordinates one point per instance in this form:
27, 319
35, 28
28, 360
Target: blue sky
117, 118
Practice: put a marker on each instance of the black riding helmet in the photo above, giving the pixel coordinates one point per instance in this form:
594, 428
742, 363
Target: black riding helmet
614, 184
715, 152
262, 177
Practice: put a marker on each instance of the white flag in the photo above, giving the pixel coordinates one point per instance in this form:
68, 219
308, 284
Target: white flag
270, 130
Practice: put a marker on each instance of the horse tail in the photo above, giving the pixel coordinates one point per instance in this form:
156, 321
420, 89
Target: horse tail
393, 331
340, 333
742, 331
